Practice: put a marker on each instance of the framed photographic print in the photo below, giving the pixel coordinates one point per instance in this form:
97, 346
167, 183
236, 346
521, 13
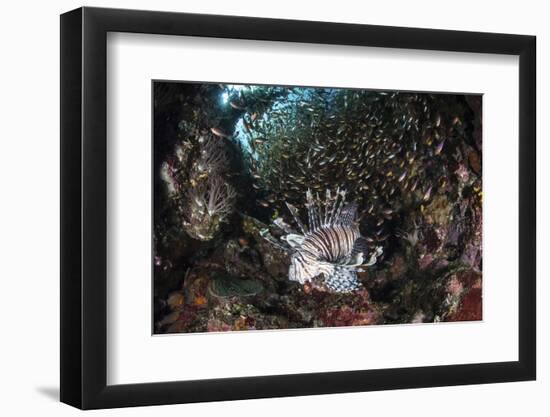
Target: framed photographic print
257, 208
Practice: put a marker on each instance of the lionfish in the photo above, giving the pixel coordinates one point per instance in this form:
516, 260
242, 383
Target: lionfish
330, 246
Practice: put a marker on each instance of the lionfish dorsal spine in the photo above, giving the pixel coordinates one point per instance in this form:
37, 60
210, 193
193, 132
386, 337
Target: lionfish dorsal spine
318, 213
328, 199
338, 206
311, 211
330, 218
296, 217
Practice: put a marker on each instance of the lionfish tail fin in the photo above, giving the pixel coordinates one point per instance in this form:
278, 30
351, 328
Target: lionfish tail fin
362, 251
347, 215
374, 256
361, 246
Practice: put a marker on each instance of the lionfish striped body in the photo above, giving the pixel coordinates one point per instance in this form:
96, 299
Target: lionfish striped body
331, 246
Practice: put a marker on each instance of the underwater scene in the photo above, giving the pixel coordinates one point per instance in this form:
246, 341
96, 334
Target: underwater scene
287, 207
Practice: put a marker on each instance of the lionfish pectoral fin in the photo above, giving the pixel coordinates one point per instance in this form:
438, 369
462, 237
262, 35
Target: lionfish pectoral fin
285, 227
292, 272
264, 233
294, 240
298, 272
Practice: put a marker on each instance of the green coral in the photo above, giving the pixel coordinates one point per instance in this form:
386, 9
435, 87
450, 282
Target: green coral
224, 286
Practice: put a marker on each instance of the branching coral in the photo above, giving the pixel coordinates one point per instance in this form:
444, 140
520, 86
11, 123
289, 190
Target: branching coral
207, 205
212, 156
220, 197
195, 179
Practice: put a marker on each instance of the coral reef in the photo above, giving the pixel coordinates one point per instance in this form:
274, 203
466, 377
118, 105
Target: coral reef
231, 261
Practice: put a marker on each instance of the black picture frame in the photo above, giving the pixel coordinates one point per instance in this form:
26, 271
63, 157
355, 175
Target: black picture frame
84, 207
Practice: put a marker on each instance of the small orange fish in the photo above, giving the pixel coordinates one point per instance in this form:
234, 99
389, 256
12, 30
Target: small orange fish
200, 301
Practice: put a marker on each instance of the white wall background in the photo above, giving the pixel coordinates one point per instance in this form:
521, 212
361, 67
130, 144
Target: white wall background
29, 225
